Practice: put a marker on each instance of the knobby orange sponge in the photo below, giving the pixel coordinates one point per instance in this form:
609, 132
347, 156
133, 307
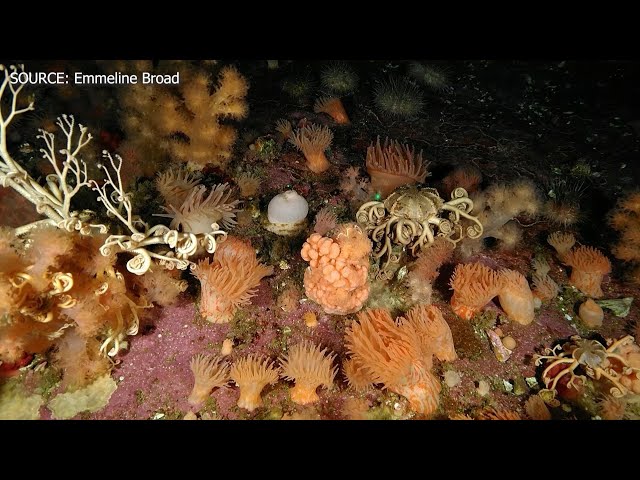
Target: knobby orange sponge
399, 354
338, 268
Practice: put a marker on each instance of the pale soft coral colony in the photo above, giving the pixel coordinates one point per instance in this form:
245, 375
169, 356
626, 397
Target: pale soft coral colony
243, 257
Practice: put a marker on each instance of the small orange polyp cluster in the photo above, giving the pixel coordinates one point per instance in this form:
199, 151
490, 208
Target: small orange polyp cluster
229, 280
474, 285
333, 107
338, 268
310, 368
589, 266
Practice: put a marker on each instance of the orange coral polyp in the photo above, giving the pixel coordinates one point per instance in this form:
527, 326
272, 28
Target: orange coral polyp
392, 354
434, 332
393, 165
313, 140
333, 107
309, 367
474, 285
252, 374
589, 266
229, 281
516, 298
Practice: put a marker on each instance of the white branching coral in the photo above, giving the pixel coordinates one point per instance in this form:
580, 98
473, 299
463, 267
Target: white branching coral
70, 173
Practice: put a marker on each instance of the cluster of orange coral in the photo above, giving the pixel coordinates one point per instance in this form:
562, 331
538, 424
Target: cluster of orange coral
229, 280
474, 285
338, 268
399, 354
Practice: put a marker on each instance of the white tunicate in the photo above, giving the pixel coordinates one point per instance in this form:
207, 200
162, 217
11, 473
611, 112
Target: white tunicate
287, 207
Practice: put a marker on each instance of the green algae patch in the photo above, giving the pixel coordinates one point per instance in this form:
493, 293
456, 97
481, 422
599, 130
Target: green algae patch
16, 404
88, 399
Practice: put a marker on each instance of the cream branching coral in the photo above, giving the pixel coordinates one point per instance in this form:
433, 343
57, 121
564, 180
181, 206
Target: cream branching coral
312, 140
199, 211
338, 268
309, 367
209, 373
229, 280
473, 285
54, 199
393, 164
252, 374
392, 354
175, 185
333, 107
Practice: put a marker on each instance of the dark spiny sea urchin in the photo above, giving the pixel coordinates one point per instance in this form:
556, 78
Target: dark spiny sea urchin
397, 97
299, 88
562, 206
432, 76
339, 78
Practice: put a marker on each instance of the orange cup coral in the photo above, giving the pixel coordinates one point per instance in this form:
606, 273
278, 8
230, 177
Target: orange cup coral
338, 269
393, 165
393, 354
516, 298
310, 368
209, 373
229, 280
312, 141
252, 374
474, 285
333, 107
589, 266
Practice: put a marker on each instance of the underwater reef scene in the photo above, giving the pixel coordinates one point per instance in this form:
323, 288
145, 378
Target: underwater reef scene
327, 240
